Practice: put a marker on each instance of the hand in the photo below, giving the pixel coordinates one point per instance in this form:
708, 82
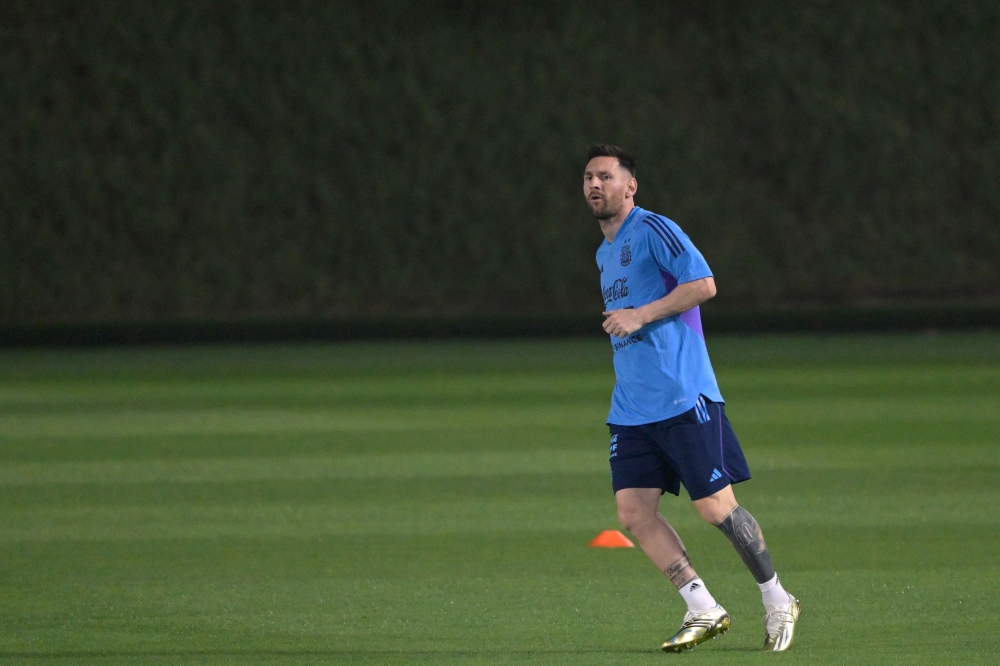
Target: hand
622, 323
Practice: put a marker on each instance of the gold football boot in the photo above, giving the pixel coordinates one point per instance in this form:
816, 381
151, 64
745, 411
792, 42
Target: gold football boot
698, 628
779, 626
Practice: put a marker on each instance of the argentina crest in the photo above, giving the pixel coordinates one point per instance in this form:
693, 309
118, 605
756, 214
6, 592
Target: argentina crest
626, 257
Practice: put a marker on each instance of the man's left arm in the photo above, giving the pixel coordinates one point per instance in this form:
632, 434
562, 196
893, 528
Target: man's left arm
621, 323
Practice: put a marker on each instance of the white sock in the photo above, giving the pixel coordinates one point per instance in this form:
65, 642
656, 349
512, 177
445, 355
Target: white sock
697, 596
773, 594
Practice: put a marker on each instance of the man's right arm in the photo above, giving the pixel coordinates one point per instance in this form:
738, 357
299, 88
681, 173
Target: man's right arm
621, 323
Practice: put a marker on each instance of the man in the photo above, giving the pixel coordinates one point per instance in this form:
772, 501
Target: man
667, 420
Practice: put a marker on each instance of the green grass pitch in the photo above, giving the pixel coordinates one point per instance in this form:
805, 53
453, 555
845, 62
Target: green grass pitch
431, 503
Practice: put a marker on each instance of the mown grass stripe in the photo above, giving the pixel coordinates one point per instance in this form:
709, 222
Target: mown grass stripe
403, 465
375, 466
485, 516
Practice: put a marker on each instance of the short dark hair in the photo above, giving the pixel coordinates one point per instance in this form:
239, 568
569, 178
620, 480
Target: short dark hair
625, 160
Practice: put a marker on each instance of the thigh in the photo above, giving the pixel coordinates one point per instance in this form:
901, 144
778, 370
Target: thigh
638, 500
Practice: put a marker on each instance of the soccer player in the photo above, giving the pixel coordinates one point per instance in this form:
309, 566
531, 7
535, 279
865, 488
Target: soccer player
667, 420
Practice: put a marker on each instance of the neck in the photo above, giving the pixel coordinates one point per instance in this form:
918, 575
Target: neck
611, 225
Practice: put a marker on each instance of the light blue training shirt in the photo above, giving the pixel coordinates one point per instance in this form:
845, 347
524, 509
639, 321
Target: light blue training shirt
663, 367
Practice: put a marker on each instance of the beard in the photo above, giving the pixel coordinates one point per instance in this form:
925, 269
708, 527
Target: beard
605, 210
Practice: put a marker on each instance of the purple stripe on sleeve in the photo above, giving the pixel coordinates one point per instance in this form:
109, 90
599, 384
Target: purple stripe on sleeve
693, 319
669, 281
693, 316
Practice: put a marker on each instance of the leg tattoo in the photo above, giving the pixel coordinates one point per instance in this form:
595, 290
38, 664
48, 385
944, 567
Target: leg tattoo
680, 572
746, 537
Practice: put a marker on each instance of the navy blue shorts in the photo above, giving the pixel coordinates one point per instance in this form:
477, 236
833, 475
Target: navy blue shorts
697, 448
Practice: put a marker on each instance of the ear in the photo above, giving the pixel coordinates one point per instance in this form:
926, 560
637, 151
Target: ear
631, 188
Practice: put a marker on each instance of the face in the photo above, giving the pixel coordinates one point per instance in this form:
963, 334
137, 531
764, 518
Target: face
607, 185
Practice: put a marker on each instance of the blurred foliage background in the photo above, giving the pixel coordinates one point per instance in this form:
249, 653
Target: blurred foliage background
231, 160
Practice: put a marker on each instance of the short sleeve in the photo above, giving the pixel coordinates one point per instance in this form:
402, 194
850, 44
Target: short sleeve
673, 251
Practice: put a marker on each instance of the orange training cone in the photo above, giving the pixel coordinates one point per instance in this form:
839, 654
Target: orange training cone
611, 539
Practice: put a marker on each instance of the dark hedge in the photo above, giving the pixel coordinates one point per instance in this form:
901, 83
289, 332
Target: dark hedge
323, 159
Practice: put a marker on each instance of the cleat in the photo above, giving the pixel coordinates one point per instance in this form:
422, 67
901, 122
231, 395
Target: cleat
698, 628
779, 626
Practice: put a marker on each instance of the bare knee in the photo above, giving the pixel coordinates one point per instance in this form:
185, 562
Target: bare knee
635, 518
714, 508
637, 511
